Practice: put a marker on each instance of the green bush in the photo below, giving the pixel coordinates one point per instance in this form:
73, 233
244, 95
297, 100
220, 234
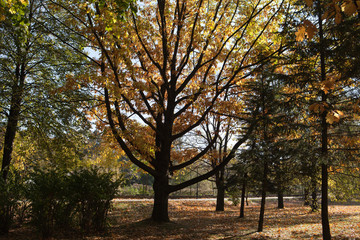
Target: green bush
92, 190
47, 193
11, 192
234, 194
60, 199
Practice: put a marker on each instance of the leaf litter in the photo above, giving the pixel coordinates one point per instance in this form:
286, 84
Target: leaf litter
198, 220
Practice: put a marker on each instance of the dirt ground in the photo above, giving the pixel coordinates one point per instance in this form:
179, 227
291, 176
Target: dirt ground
198, 220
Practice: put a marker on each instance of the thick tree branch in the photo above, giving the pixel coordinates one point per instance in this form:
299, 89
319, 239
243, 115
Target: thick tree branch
195, 158
226, 160
121, 142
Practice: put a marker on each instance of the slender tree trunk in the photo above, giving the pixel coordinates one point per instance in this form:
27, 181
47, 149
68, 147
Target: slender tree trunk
324, 135
243, 192
10, 133
324, 203
220, 202
247, 199
9, 140
314, 202
306, 197
262, 210
263, 199
280, 199
324, 181
11, 127
197, 190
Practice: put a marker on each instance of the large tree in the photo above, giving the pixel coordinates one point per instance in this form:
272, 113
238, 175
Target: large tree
33, 73
33, 67
166, 68
320, 80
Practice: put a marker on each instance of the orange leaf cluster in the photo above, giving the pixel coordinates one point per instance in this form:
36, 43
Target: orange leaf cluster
306, 30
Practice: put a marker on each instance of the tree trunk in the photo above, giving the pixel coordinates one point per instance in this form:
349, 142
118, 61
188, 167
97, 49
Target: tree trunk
197, 190
324, 203
11, 126
263, 199
243, 192
247, 199
10, 133
306, 197
262, 210
324, 133
220, 202
8, 142
280, 199
161, 198
314, 202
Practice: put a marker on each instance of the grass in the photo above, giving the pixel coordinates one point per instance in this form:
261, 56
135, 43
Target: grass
198, 220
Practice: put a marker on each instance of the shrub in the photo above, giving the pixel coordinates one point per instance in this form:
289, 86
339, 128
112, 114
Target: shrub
49, 205
11, 194
92, 190
234, 194
60, 199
